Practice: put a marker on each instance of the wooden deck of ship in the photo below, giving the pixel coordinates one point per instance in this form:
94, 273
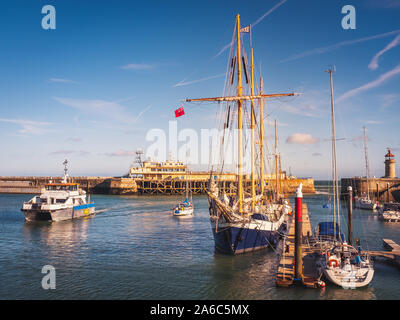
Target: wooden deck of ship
285, 275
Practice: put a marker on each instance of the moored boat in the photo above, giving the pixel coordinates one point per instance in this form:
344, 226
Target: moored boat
58, 202
245, 221
364, 202
390, 212
340, 262
347, 267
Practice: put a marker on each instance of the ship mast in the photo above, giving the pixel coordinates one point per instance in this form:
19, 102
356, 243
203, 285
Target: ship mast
276, 164
240, 121
253, 165
366, 160
239, 98
261, 138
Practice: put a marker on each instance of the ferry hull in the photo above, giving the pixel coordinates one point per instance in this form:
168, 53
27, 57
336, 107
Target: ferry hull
59, 215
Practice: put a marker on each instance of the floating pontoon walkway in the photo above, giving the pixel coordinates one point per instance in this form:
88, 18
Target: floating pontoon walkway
311, 251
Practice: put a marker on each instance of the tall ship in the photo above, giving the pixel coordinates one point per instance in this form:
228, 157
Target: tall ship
247, 218
58, 202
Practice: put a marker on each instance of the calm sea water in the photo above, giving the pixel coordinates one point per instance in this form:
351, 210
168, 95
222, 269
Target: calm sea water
137, 250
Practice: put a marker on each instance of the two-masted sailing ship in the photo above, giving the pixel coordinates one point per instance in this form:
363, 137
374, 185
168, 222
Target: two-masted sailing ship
250, 217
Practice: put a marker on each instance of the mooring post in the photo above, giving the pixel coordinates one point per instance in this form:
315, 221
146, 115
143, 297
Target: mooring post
387, 190
350, 215
298, 233
377, 192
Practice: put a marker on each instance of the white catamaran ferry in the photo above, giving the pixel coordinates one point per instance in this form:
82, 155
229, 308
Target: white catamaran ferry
58, 201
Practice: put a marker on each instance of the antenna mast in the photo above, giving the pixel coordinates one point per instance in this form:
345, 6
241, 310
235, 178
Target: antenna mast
366, 160
336, 199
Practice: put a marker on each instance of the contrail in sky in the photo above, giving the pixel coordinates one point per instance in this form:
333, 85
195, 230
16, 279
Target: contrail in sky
182, 83
374, 62
268, 12
377, 82
338, 45
254, 24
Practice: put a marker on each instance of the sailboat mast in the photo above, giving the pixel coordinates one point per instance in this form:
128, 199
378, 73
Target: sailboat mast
261, 138
276, 164
253, 120
334, 169
240, 121
366, 160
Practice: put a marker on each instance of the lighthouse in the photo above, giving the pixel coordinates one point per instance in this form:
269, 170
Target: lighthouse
390, 169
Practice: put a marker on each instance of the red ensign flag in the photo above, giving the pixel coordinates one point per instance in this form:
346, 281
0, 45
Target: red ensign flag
179, 112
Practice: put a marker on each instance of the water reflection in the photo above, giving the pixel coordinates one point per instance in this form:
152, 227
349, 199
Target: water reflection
61, 243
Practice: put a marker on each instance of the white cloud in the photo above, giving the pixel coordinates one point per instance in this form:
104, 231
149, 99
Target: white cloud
382, 78
70, 152
61, 80
138, 66
109, 109
373, 122
121, 153
310, 104
301, 138
74, 139
374, 62
388, 99
29, 126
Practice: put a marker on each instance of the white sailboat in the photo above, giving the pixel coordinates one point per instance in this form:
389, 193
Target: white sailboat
364, 202
185, 208
341, 263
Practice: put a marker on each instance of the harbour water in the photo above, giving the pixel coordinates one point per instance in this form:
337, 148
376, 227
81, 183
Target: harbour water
136, 249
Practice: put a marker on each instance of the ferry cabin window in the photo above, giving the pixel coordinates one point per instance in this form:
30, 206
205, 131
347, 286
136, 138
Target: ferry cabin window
60, 200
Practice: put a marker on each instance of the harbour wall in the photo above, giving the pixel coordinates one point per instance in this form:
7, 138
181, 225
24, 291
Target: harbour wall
127, 186
380, 189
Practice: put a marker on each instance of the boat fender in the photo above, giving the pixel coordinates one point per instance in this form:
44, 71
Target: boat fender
333, 261
321, 284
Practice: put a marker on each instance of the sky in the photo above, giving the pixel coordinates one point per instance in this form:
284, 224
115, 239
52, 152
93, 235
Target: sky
91, 89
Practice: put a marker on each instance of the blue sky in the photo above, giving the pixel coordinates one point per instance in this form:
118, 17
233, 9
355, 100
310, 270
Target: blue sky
92, 88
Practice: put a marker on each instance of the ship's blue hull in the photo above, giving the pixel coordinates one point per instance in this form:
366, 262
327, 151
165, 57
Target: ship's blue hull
234, 240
